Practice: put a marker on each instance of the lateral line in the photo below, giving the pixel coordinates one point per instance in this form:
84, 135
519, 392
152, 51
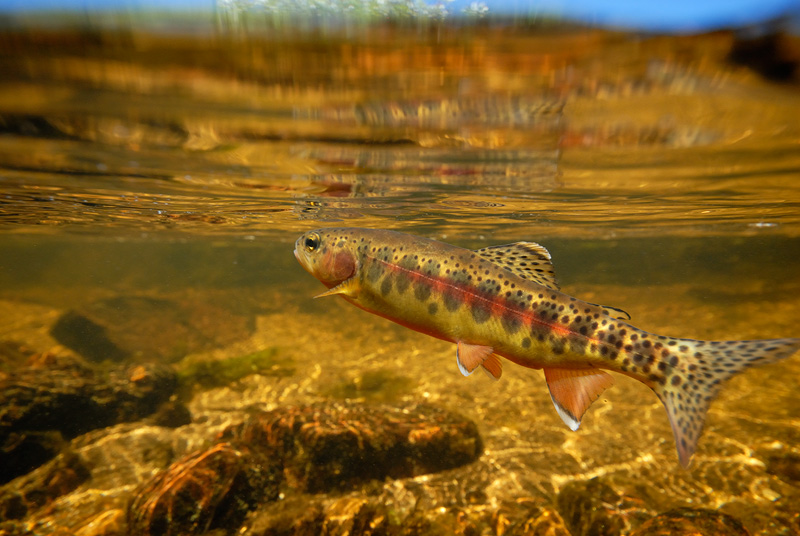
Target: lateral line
525, 315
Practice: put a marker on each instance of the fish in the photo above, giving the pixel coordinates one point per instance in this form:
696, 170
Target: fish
504, 302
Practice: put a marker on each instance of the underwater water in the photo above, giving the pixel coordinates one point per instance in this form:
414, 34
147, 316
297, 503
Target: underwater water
152, 185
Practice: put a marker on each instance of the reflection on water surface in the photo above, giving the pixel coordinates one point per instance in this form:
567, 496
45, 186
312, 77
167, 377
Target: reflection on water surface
575, 131
152, 186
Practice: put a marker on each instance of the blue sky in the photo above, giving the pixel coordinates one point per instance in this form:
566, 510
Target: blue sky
678, 15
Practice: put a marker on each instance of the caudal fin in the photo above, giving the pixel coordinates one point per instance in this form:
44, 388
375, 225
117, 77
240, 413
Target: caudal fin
693, 384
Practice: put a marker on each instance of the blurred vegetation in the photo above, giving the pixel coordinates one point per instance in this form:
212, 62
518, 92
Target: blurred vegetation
372, 386
208, 374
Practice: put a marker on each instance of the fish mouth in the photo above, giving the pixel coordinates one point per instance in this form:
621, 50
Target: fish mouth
297, 254
302, 258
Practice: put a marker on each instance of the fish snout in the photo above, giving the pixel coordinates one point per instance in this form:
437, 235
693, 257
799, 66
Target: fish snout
302, 255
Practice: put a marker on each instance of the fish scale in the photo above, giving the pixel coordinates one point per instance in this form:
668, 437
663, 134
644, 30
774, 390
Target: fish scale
504, 302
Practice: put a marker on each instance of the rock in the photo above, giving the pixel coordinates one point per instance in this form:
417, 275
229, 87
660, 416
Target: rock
171, 414
359, 515
12, 355
348, 516
784, 465
310, 516
35, 490
336, 446
84, 491
296, 516
690, 522
39, 407
527, 517
441, 522
593, 507
208, 489
317, 448
95, 485
148, 329
22, 451
87, 338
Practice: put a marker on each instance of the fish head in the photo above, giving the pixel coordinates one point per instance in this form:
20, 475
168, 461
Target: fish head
328, 255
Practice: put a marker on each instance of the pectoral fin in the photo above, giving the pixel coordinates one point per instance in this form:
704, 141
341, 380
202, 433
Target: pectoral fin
348, 287
574, 390
471, 356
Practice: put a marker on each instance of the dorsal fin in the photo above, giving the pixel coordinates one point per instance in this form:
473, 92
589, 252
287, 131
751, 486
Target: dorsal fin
528, 260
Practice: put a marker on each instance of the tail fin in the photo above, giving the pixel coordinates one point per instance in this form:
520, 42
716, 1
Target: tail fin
693, 384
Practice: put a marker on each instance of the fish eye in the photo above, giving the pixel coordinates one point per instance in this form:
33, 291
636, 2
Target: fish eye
312, 242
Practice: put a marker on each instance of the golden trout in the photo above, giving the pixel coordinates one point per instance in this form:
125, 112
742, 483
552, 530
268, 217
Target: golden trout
504, 301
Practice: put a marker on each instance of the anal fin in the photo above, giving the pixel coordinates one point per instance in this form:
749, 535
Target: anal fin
574, 390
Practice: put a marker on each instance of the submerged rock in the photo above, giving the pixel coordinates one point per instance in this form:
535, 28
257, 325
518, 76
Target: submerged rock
40, 406
690, 522
784, 465
296, 516
38, 488
309, 516
369, 516
86, 337
143, 328
319, 448
327, 447
528, 517
593, 507
208, 489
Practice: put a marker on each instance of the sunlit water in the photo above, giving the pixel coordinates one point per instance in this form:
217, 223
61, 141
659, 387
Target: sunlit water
661, 177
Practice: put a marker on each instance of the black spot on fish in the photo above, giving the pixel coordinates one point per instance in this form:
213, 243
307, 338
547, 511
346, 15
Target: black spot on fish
578, 345
452, 300
386, 286
557, 345
481, 311
402, 281
511, 322
526, 342
422, 290
433, 309
375, 272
